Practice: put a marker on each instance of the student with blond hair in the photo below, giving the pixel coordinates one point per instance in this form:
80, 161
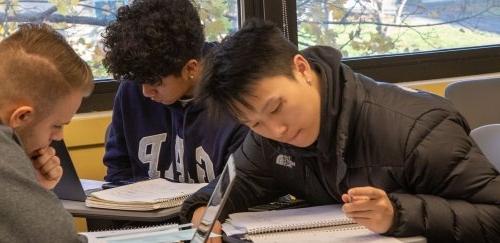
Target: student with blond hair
43, 82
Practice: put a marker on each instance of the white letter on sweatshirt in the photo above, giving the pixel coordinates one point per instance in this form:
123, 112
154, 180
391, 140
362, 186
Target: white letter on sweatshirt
154, 142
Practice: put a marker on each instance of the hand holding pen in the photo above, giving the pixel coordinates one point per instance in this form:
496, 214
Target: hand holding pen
370, 207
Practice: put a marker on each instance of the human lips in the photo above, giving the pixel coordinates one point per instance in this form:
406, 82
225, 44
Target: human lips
294, 136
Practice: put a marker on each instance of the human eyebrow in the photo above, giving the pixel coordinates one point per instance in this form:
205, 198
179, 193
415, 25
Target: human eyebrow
62, 123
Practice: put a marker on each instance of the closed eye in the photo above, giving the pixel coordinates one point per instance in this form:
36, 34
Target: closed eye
278, 108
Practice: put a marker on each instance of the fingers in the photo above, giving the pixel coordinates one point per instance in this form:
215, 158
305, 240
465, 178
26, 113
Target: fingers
367, 191
357, 215
53, 173
370, 207
51, 168
48, 164
346, 198
360, 205
197, 214
44, 155
217, 229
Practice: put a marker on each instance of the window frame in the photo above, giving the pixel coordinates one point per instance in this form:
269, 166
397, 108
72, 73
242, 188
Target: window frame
395, 68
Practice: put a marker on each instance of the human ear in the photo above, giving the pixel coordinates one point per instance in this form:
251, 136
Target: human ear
190, 69
302, 67
21, 116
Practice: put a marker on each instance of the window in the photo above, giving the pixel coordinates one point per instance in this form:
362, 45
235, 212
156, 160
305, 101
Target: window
82, 22
375, 27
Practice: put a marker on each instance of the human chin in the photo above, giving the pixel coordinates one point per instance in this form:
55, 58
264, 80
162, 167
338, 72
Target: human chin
305, 138
301, 141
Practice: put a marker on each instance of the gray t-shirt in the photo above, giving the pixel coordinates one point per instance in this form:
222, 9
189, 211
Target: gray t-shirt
28, 212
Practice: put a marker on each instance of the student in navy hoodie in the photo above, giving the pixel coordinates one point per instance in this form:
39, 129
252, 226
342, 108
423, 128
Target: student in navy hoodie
156, 129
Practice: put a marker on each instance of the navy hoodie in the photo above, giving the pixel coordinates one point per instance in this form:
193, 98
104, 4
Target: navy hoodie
178, 142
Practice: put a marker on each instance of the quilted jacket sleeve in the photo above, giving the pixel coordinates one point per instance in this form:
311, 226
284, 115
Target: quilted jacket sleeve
455, 190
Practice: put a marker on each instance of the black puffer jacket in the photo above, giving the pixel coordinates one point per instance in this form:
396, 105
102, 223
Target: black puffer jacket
411, 144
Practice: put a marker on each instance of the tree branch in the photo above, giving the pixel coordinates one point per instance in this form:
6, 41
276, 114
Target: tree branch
55, 18
399, 25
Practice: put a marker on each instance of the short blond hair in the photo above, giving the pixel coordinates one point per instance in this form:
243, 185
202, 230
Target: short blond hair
37, 65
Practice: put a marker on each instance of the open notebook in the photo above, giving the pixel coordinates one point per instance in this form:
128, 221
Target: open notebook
321, 223
143, 196
174, 233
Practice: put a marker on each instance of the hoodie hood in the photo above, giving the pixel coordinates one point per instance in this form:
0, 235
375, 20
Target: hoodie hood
338, 90
326, 61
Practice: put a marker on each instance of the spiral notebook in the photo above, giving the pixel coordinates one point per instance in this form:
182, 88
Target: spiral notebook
335, 234
320, 223
143, 196
160, 233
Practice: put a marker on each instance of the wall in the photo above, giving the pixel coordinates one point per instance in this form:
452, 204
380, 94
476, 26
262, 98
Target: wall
84, 137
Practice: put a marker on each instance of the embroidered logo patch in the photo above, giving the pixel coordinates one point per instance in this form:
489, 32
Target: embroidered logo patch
285, 160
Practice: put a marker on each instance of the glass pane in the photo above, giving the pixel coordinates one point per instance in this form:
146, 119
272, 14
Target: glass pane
373, 27
82, 22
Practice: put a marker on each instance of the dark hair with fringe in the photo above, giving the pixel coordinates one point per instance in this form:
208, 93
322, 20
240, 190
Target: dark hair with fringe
152, 39
256, 51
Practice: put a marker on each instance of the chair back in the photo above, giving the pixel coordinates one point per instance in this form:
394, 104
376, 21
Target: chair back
477, 100
488, 139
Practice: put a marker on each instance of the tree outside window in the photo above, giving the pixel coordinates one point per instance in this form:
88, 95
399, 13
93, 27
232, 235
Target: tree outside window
82, 22
375, 27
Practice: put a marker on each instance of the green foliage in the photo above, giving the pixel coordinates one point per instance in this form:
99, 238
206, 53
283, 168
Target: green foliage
361, 32
321, 22
64, 6
213, 16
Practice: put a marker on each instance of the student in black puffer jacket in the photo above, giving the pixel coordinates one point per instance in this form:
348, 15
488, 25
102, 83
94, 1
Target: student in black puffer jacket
400, 160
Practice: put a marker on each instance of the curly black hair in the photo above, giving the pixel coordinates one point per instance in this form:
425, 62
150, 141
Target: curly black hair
151, 39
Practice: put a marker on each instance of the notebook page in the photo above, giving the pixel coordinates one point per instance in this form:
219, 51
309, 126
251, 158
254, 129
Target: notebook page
289, 219
150, 191
91, 184
340, 234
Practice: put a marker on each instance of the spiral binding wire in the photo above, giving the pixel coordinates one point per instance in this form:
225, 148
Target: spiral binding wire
321, 229
298, 226
138, 228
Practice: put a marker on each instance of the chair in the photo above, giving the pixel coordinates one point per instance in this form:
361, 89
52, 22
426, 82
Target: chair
488, 139
476, 100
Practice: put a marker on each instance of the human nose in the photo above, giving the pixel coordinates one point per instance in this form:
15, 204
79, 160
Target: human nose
59, 135
278, 129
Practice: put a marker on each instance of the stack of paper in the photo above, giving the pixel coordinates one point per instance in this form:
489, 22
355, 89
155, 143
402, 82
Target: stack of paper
143, 196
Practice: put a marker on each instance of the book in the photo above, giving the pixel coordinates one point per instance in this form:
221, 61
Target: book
143, 196
315, 224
